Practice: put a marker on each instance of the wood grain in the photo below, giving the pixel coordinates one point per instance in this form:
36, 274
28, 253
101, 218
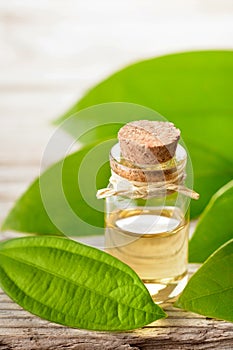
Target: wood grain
181, 330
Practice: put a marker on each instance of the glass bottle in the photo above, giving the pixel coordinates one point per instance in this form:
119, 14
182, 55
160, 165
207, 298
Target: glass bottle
147, 221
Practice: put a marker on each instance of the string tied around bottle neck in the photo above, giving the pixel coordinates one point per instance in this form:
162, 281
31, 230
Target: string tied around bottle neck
119, 186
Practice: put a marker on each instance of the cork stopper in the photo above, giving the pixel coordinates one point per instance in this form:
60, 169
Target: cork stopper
147, 150
147, 162
145, 142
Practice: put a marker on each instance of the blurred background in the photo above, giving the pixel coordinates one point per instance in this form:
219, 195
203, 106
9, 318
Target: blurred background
52, 51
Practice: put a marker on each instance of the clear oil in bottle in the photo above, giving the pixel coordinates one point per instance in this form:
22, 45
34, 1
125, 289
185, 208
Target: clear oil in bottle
154, 243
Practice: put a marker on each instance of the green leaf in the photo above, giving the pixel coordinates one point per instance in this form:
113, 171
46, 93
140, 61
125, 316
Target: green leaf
210, 290
63, 200
214, 227
75, 285
191, 89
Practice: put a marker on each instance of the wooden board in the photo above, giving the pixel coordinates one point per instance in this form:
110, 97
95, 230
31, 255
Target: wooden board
181, 330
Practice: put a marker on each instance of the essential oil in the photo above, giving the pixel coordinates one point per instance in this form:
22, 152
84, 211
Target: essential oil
154, 243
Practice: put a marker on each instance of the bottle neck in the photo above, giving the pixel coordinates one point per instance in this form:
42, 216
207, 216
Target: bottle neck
139, 189
158, 180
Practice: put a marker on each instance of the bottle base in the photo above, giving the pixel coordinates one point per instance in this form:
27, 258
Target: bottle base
162, 291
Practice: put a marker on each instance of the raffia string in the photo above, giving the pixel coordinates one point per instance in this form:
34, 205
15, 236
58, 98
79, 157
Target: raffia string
136, 190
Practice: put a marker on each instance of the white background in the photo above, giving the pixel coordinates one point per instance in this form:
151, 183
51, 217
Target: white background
52, 51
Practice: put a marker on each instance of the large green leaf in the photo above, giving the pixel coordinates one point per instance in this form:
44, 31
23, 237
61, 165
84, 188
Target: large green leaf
74, 285
63, 200
192, 89
210, 290
215, 225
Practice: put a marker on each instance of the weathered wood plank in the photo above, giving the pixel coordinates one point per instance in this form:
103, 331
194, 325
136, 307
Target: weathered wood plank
176, 337
181, 330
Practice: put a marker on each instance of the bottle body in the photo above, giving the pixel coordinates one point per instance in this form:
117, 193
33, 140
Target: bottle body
152, 239
147, 222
